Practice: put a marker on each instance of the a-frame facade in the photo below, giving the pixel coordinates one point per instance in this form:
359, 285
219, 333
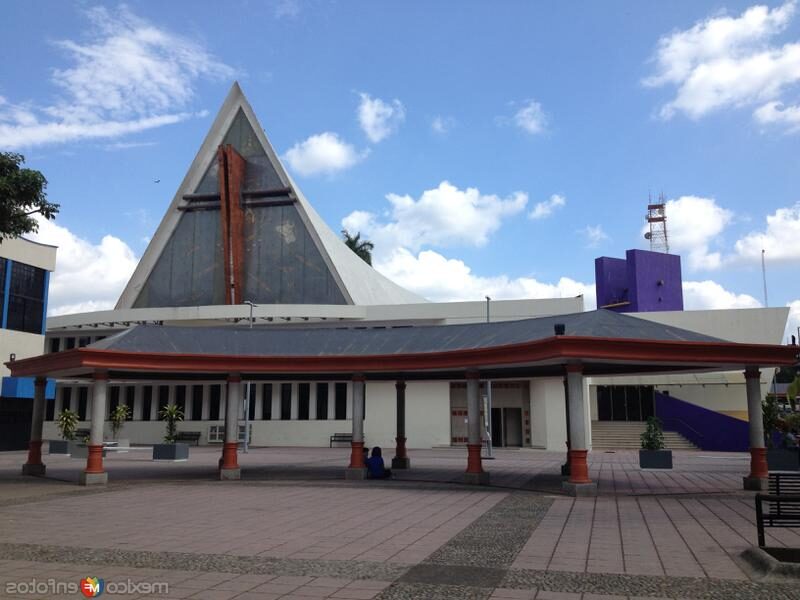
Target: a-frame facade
240, 229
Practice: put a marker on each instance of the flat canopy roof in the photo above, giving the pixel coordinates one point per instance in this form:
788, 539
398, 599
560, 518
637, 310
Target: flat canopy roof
604, 342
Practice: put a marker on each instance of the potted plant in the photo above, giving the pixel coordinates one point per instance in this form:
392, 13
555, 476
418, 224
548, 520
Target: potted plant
787, 456
171, 450
67, 423
118, 417
652, 455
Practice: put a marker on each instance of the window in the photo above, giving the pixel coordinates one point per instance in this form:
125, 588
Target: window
55, 344
180, 398
83, 397
114, 401
303, 401
266, 401
130, 395
84, 341
286, 401
147, 402
322, 401
70, 343
197, 402
26, 298
216, 394
50, 410
163, 399
66, 398
341, 401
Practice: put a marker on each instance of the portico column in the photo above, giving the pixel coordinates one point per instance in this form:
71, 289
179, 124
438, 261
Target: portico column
475, 473
94, 473
357, 468
759, 472
230, 462
34, 466
579, 483
401, 460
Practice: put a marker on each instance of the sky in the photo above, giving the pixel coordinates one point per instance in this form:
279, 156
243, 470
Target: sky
486, 148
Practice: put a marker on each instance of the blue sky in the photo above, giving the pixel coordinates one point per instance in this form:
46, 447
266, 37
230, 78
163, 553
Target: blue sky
496, 148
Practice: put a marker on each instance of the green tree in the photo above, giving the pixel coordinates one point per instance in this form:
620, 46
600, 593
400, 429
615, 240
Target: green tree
793, 391
363, 248
22, 195
172, 414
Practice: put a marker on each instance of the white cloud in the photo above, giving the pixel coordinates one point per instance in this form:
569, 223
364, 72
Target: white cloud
88, 276
594, 235
700, 295
442, 125
443, 216
775, 113
531, 118
380, 119
130, 76
781, 239
547, 207
794, 320
324, 153
727, 61
442, 279
287, 8
694, 224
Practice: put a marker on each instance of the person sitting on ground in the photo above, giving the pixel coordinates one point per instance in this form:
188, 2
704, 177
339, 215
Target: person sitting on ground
377, 470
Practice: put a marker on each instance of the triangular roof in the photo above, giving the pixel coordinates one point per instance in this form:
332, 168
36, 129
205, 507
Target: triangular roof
185, 251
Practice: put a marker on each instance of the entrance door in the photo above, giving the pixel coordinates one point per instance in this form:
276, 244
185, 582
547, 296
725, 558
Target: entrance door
498, 439
512, 419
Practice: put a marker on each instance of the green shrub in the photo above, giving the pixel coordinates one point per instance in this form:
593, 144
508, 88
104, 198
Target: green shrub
653, 436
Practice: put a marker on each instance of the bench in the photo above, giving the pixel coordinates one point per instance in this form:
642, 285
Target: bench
188, 436
341, 437
783, 504
82, 434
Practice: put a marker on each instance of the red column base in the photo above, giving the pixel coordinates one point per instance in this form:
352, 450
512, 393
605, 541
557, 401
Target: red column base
230, 458
578, 467
94, 461
357, 455
474, 464
400, 449
34, 452
758, 463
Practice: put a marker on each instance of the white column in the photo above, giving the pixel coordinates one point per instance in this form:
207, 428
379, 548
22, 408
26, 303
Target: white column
58, 400
349, 414
357, 409
295, 401
473, 411
577, 425
99, 393
754, 409
138, 391
188, 402
259, 400
276, 400
154, 402
170, 395
234, 401
312, 400
206, 402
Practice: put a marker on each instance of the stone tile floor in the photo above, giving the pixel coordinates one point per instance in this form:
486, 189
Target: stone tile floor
294, 529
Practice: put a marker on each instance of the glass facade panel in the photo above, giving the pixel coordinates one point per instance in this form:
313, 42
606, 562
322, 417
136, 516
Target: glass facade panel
286, 401
214, 402
266, 401
303, 401
83, 399
147, 403
26, 298
197, 402
341, 401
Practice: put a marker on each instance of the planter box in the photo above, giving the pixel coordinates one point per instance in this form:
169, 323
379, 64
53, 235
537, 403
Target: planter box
170, 451
783, 459
59, 446
655, 459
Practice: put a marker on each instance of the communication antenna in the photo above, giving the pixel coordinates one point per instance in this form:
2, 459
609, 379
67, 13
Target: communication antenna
657, 220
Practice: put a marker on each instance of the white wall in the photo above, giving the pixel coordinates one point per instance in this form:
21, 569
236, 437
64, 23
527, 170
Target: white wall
21, 343
31, 253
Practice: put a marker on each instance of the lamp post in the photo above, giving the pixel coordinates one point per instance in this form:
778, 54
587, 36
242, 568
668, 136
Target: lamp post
488, 419
246, 446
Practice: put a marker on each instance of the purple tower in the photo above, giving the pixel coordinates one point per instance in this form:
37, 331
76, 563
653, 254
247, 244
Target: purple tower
641, 282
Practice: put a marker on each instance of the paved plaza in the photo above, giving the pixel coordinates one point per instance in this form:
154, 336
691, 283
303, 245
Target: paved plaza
292, 528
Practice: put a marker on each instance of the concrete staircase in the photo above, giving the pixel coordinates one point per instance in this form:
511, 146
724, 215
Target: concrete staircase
620, 435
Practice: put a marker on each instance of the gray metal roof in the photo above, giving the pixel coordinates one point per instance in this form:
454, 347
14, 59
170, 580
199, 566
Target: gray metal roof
327, 341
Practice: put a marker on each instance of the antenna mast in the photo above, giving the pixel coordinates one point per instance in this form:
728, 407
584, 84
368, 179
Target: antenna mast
657, 220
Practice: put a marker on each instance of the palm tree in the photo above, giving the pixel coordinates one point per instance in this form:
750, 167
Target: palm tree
362, 248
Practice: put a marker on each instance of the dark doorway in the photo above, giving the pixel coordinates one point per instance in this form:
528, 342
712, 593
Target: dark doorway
506, 427
15, 423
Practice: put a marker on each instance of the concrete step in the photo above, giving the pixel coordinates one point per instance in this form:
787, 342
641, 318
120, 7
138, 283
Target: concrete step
625, 435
